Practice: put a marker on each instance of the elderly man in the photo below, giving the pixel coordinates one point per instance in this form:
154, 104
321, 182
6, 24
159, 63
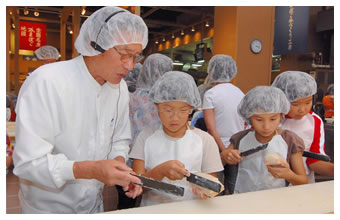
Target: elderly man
73, 128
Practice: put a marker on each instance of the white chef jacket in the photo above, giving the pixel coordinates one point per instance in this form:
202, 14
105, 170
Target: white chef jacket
63, 116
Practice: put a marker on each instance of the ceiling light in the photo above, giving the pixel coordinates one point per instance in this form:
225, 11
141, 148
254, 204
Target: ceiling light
182, 32
178, 64
83, 10
172, 36
156, 42
163, 39
193, 29
207, 24
26, 12
36, 13
13, 25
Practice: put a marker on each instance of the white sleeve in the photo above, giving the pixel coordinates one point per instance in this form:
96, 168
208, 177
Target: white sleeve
37, 115
208, 100
122, 131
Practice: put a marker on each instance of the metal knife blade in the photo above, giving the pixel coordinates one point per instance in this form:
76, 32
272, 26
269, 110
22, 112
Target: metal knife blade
158, 185
316, 156
254, 150
203, 182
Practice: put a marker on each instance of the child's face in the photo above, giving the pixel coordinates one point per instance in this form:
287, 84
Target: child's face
265, 124
300, 107
174, 117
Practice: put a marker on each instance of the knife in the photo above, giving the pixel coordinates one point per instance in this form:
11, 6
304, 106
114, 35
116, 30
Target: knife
158, 185
203, 182
254, 150
316, 156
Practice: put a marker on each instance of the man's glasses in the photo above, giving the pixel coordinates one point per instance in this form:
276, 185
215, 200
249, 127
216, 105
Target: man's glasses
125, 57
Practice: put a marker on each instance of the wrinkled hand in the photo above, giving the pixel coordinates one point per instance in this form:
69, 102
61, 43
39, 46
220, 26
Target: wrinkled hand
281, 171
114, 172
174, 170
199, 193
231, 157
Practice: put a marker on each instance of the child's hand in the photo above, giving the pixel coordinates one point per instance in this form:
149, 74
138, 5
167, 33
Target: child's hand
230, 156
199, 193
281, 171
174, 170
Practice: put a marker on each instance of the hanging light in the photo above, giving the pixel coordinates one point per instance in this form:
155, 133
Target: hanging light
207, 24
83, 10
26, 12
156, 42
193, 29
182, 32
172, 36
36, 13
163, 39
13, 25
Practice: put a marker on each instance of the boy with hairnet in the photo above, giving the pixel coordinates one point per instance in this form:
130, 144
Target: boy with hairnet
299, 87
173, 149
277, 159
143, 112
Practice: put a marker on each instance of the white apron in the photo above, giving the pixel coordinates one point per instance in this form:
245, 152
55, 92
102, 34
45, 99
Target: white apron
253, 174
160, 148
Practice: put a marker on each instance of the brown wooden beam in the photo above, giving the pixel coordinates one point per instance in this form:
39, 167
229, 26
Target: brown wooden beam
149, 12
75, 27
166, 23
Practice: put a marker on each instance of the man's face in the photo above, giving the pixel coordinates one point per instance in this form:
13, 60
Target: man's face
300, 107
116, 62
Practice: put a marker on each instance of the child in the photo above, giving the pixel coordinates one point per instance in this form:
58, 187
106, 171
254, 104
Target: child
299, 88
173, 149
263, 107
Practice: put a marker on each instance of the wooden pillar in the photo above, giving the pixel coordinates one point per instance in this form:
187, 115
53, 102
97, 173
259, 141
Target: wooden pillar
16, 50
63, 20
75, 28
8, 42
235, 28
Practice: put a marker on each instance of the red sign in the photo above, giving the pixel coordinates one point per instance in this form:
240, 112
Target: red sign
31, 35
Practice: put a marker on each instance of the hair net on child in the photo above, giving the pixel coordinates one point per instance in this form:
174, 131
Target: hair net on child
202, 89
108, 27
330, 89
154, 67
295, 84
175, 86
263, 99
221, 68
47, 52
131, 77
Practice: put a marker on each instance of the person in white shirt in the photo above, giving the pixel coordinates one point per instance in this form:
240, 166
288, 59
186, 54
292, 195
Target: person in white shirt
73, 128
220, 102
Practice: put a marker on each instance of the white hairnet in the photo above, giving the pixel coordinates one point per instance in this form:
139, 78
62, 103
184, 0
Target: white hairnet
263, 99
330, 89
202, 89
221, 68
131, 77
175, 86
154, 67
106, 32
295, 84
47, 52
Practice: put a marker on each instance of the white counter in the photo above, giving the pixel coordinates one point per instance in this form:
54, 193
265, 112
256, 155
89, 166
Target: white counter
307, 199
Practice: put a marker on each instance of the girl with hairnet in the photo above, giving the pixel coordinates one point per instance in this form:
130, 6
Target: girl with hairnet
220, 102
143, 112
299, 87
277, 159
132, 76
171, 150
